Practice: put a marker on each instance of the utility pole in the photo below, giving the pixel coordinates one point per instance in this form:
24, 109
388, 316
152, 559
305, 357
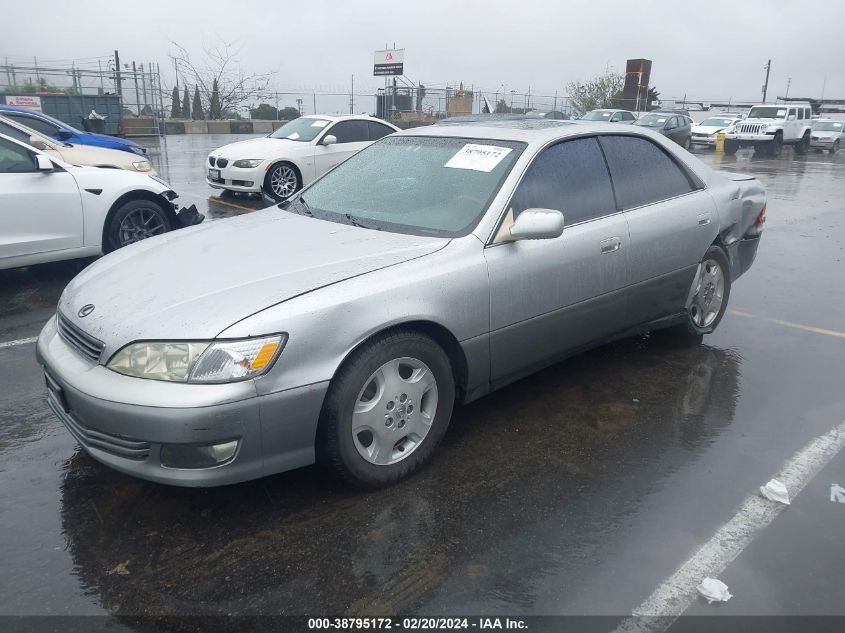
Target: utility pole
118, 82
137, 96
788, 83
768, 68
352, 97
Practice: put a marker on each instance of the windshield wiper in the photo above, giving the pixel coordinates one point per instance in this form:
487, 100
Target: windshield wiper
354, 222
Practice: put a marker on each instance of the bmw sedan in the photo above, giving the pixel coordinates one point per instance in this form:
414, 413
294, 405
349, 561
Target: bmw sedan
345, 323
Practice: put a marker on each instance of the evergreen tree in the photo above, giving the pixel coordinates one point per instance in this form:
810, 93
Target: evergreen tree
176, 107
196, 111
186, 104
214, 109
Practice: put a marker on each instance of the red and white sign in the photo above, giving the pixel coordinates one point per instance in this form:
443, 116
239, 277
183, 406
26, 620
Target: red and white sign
390, 56
24, 101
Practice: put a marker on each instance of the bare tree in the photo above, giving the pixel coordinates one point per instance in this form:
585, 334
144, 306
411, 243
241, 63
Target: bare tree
602, 92
218, 65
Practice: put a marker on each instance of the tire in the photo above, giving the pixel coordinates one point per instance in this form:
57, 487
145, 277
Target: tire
803, 146
776, 146
835, 147
704, 314
282, 180
687, 144
731, 147
379, 380
134, 221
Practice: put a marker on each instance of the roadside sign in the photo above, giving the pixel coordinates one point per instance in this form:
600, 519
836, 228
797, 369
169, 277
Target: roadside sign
389, 62
24, 101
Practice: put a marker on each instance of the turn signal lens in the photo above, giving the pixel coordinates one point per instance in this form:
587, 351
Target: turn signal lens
761, 219
265, 355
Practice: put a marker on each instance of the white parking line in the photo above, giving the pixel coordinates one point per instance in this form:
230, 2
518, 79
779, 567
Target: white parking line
678, 592
20, 341
797, 326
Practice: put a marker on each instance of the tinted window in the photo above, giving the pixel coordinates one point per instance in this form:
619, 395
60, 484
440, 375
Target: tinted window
627, 116
14, 159
31, 122
378, 130
570, 177
642, 172
800, 113
350, 132
14, 132
616, 117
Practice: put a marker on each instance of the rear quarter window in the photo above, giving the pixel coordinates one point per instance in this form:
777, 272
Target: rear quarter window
642, 172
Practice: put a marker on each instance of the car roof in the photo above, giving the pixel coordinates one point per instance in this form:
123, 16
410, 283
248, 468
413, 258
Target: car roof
340, 117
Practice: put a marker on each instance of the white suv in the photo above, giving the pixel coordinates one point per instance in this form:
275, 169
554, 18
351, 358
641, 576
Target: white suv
769, 127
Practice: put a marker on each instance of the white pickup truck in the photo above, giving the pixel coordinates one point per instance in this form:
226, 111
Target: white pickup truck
770, 126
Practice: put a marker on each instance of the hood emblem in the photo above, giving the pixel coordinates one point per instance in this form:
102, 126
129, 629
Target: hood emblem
85, 310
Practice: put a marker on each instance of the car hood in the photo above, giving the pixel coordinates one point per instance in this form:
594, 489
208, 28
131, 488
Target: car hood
196, 282
264, 147
825, 134
708, 129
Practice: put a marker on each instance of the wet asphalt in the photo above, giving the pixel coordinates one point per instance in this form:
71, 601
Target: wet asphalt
575, 491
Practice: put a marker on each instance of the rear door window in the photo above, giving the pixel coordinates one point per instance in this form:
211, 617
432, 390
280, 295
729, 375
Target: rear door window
642, 172
378, 130
350, 132
14, 132
31, 122
570, 177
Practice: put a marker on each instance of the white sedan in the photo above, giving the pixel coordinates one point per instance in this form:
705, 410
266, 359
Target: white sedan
50, 210
294, 155
704, 133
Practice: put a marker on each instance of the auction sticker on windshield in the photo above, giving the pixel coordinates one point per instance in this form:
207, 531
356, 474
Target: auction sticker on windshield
478, 157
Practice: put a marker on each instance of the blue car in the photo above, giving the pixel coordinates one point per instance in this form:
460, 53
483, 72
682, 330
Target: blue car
54, 128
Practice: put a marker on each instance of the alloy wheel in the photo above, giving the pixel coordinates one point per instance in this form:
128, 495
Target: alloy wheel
139, 224
394, 411
283, 181
708, 294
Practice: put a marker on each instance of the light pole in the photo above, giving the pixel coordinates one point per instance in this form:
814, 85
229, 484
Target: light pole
513, 92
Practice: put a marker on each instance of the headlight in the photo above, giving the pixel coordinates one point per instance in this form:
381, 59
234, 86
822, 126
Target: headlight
142, 165
248, 162
199, 361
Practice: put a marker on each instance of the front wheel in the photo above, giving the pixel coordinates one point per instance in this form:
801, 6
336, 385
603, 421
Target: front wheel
709, 293
803, 146
282, 180
387, 409
136, 220
731, 147
687, 144
776, 146
835, 147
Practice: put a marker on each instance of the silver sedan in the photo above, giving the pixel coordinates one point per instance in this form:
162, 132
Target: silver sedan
344, 324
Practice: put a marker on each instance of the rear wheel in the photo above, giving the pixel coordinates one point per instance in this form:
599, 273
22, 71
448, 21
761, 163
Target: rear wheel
136, 220
731, 146
803, 146
387, 409
709, 293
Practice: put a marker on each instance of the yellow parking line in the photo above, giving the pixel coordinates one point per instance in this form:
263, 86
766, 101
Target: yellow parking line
797, 326
217, 200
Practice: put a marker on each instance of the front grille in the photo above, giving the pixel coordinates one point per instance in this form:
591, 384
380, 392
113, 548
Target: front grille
815, 138
699, 134
211, 160
751, 128
114, 444
222, 162
88, 346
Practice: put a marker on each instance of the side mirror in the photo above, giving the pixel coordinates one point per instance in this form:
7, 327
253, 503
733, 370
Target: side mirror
38, 143
44, 163
791, 117
63, 134
537, 224
329, 139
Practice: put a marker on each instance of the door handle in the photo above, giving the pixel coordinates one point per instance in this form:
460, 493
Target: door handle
610, 244
704, 219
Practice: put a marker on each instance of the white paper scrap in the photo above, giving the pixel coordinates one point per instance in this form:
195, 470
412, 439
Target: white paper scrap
714, 590
478, 157
775, 491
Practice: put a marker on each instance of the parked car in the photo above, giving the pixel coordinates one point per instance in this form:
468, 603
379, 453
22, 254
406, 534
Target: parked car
675, 126
557, 115
769, 127
51, 210
433, 267
75, 154
294, 155
609, 115
704, 133
827, 134
61, 131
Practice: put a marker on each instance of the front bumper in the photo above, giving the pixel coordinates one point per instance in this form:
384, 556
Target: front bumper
236, 178
822, 143
710, 141
125, 422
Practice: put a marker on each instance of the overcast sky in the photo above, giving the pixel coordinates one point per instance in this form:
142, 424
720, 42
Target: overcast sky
710, 50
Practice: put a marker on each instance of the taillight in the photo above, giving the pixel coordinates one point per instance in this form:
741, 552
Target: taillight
761, 219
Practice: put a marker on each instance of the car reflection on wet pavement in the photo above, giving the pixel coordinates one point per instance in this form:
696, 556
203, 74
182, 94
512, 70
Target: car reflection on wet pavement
576, 490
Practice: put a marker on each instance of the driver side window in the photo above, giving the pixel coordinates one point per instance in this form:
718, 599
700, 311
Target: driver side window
14, 159
616, 118
350, 132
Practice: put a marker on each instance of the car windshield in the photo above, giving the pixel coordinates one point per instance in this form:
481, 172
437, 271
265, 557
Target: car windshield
827, 126
302, 129
767, 112
652, 120
716, 122
597, 115
438, 186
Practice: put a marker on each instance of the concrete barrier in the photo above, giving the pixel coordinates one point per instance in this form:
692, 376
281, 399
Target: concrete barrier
186, 126
219, 127
196, 127
262, 127
241, 127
